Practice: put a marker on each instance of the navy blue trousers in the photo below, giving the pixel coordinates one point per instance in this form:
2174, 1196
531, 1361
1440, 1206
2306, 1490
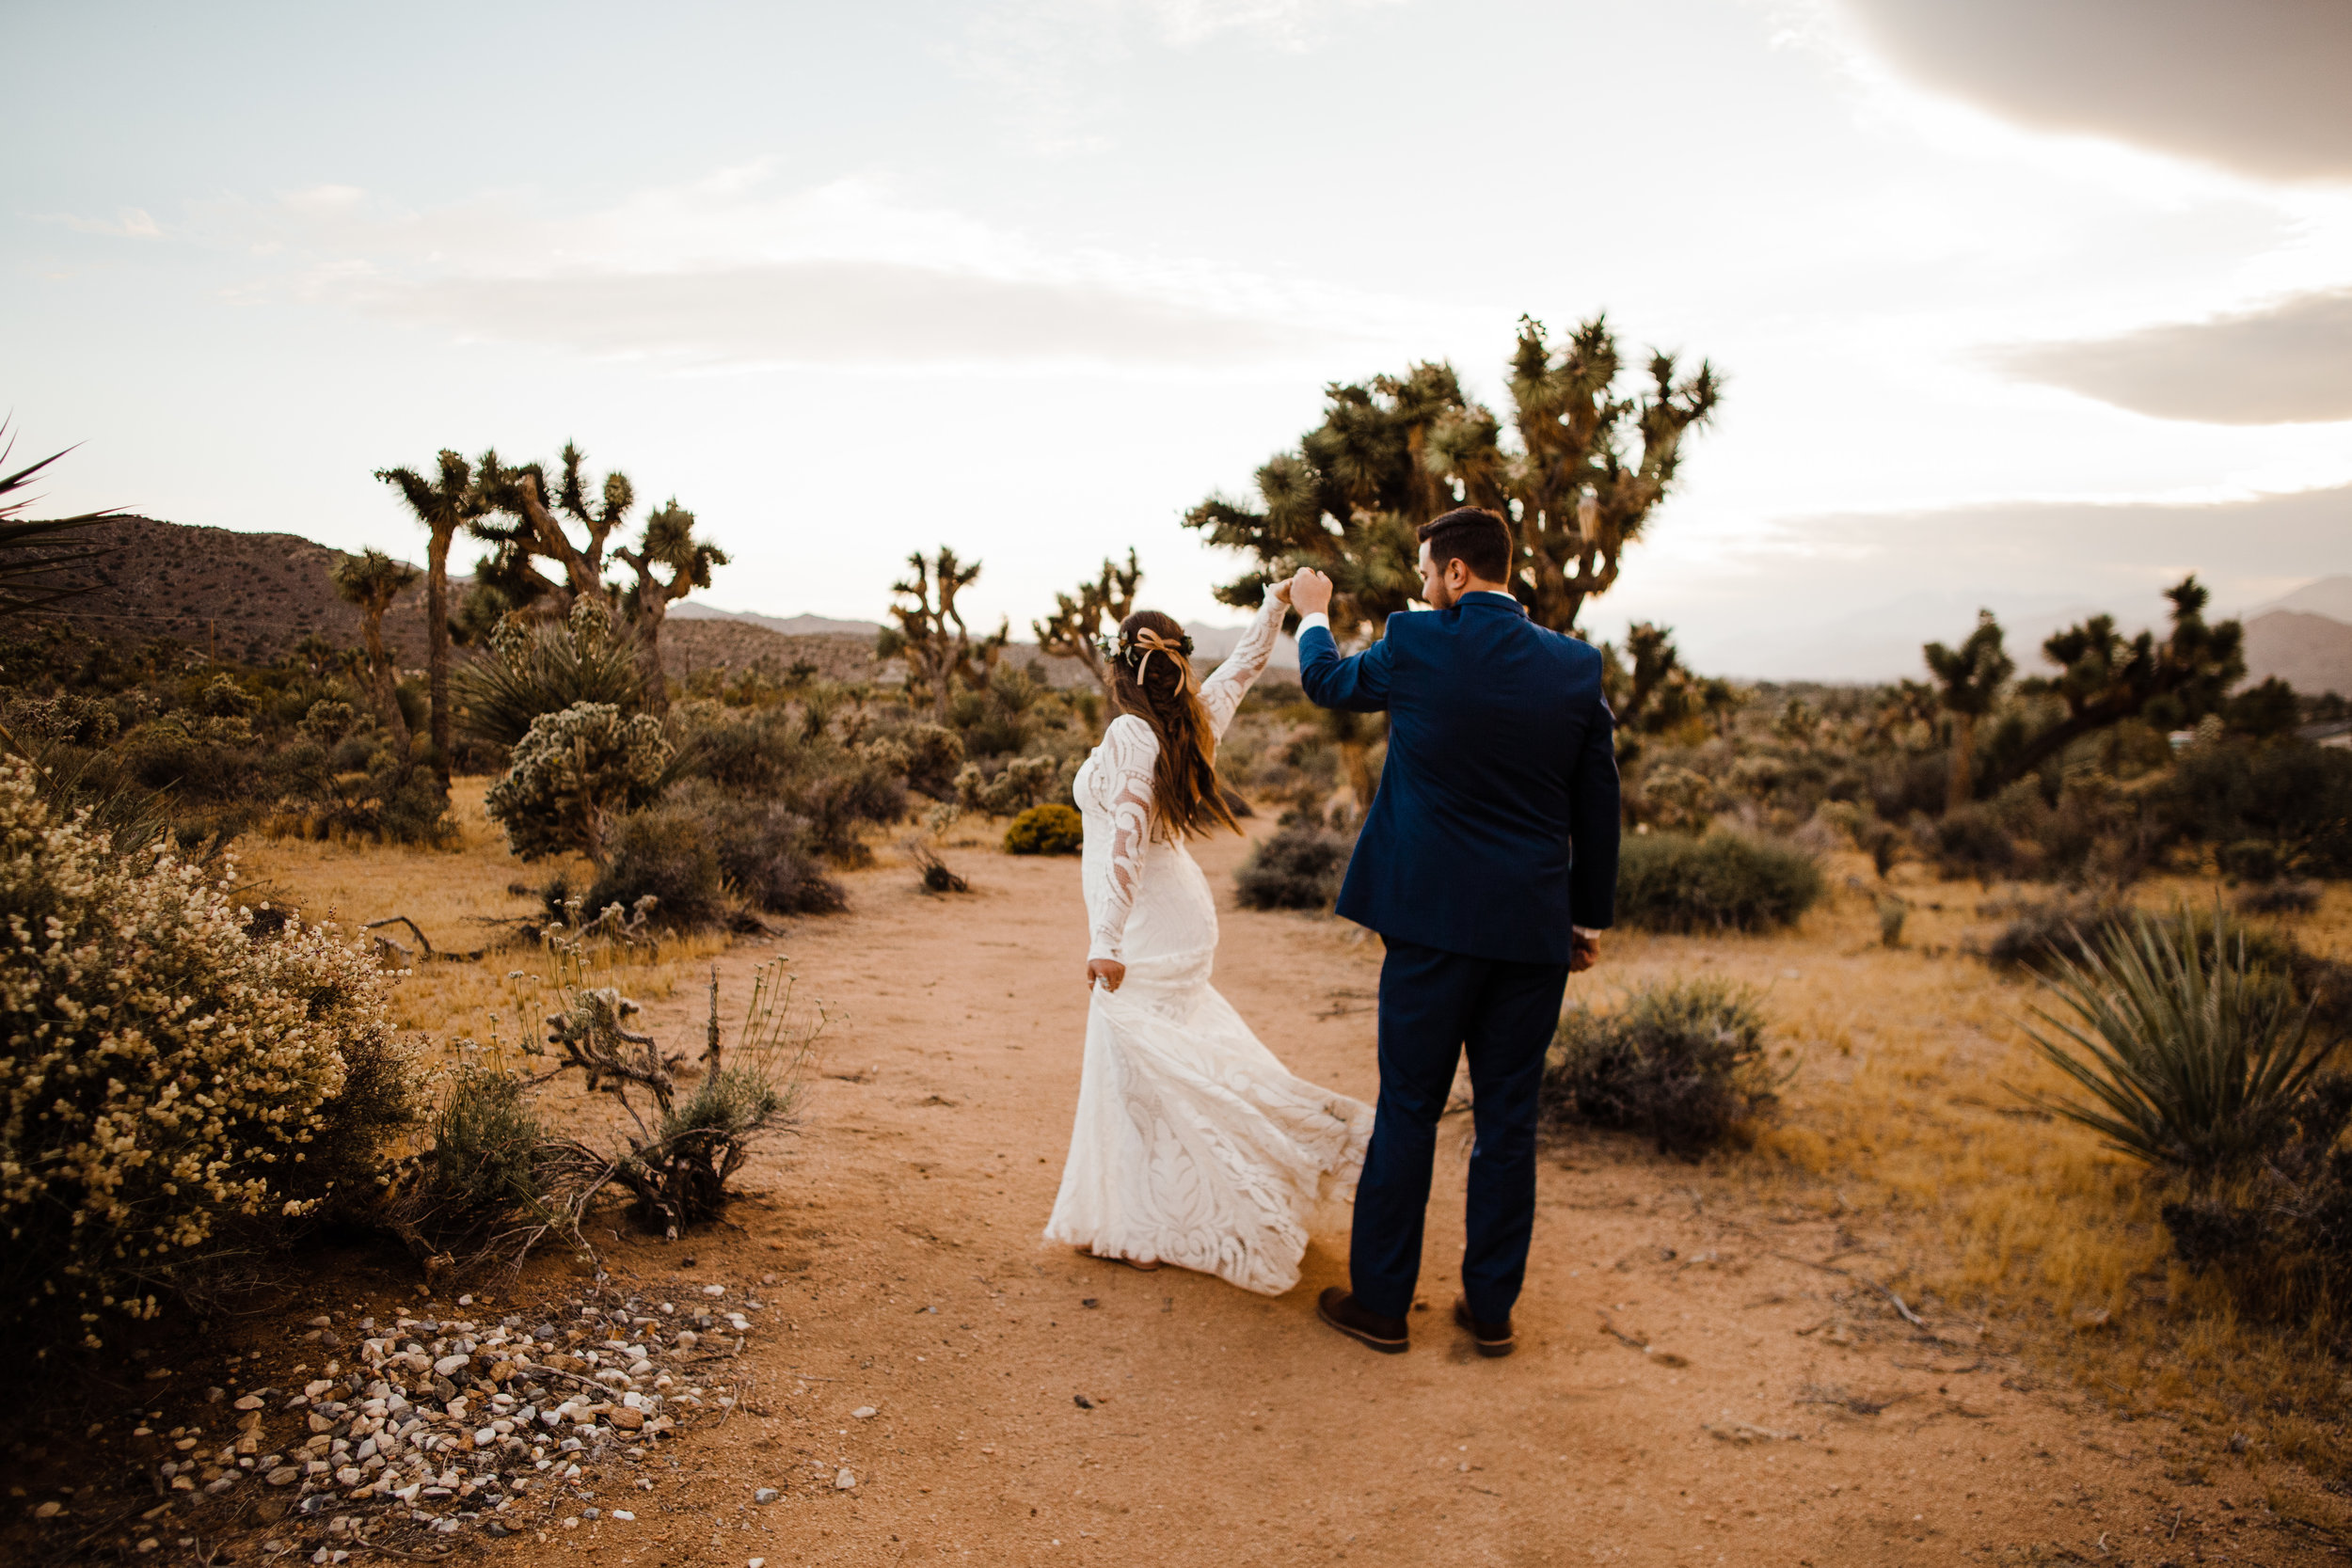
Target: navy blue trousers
1433, 1006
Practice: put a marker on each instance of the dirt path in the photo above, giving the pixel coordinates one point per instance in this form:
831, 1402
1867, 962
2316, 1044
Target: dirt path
1782, 1413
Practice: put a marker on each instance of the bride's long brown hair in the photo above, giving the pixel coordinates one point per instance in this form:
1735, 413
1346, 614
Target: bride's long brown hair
1152, 677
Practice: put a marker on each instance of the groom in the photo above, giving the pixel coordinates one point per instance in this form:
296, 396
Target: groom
1487, 863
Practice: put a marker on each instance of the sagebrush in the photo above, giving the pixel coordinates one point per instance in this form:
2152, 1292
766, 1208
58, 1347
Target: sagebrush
1684, 1063
175, 1086
1722, 881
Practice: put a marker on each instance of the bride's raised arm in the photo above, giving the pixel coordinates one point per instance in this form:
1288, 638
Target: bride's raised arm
1124, 777
1222, 691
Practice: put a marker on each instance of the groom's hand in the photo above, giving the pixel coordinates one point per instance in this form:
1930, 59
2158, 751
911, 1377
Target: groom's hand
1109, 971
1584, 951
1310, 592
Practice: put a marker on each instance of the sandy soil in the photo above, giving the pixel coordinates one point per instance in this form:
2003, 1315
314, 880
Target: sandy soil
1702, 1377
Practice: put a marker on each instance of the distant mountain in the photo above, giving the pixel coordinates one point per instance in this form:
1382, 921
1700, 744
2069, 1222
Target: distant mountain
2329, 597
1212, 643
789, 626
2310, 653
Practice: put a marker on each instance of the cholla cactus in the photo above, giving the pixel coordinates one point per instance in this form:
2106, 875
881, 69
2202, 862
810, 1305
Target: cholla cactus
572, 773
162, 1072
1025, 781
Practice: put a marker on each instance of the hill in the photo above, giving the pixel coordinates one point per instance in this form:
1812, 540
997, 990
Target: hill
250, 596
2310, 653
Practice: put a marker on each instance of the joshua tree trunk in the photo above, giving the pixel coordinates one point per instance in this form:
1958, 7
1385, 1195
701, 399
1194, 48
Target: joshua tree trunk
653, 613
436, 641
1964, 784
383, 679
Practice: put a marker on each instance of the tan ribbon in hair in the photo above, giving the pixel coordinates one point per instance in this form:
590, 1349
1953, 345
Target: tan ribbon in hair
1153, 642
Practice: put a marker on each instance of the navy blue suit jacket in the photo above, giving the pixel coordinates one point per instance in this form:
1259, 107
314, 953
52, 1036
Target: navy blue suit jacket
1495, 828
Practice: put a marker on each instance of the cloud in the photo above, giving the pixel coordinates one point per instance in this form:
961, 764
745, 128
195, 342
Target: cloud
2290, 364
877, 313
2255, 86
736, 268
1054, 65
1852, 595
129, 223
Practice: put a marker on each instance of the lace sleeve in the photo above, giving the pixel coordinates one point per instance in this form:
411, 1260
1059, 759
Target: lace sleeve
1222, 692
1130, 751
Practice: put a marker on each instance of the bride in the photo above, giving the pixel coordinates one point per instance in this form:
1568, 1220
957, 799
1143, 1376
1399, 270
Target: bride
1192, 1145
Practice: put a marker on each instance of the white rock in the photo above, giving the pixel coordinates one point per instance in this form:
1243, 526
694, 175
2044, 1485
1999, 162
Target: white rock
449, 1365
714, 1289
624, 1516
765, 1495
844, 1481
864, 1412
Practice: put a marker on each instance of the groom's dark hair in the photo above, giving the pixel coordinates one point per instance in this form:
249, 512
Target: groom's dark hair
1477, 538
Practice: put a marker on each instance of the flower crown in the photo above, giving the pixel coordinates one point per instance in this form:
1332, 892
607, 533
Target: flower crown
1137, 651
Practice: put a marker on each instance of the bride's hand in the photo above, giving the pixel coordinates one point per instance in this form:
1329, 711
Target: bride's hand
1109, 971
1280, 592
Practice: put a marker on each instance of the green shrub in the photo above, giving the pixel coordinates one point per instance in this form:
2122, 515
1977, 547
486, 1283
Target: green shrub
2282, 898
1684, 1062
1723, 882
2191, 1049
2293, 799
1300, 867
482, 1176
573, 773
172, 1085
2281, 1235
704, 855
1046, 831
2040, 932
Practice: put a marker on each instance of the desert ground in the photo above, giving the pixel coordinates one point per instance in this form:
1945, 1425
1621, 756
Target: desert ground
1718, 1362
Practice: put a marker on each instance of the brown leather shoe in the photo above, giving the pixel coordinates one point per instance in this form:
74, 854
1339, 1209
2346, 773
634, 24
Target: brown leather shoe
1493, 1338
1388, 1336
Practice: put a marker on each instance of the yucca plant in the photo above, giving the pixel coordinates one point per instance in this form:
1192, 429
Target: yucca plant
545, 667
2193, 1053
32, 553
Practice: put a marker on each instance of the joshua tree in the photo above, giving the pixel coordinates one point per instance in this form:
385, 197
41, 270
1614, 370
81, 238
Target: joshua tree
930, 634
372, 581
1968, 679
530, 525
1394, 452
530, 528
445, 503
2105, 678
1077, 622
670, 542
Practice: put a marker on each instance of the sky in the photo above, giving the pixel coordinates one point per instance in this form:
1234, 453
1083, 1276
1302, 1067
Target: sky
2032, 304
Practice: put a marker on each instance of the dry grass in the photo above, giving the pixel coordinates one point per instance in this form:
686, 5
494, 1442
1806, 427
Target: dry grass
461, 897
1898, 1110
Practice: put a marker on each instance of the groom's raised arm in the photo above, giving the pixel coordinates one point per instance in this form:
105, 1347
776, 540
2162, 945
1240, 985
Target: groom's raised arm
1359, 684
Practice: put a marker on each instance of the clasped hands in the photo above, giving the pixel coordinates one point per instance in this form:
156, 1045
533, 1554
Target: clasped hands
1306, 591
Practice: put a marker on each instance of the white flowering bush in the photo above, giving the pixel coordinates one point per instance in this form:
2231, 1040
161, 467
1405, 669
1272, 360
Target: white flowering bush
572, 773
172, 1086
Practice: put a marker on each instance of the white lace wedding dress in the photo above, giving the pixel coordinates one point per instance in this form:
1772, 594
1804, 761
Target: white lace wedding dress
1192, 1145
